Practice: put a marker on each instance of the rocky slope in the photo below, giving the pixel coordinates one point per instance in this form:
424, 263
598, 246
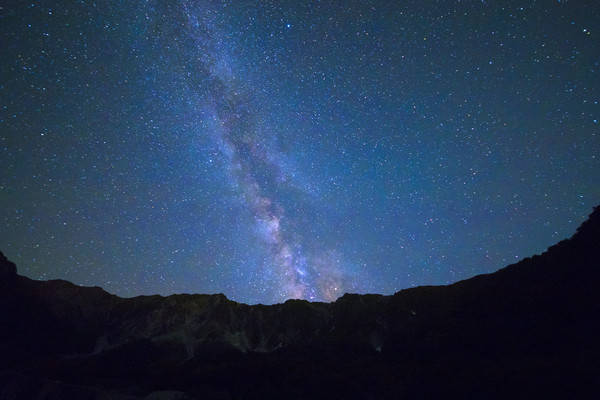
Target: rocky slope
530, 329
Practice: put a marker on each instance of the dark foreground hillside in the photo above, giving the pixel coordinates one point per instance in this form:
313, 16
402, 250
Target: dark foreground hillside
529, 330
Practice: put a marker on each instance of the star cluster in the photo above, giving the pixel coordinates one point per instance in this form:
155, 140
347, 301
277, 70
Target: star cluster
275, 150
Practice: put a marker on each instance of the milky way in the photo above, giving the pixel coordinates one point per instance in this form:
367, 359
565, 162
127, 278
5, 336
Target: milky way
252, 163
300, 150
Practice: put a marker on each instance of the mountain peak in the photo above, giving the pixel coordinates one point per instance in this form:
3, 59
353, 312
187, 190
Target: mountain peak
8, 269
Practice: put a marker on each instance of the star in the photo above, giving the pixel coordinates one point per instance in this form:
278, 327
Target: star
196, 147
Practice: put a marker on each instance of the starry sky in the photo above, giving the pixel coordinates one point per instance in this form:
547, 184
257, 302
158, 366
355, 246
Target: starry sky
293, 149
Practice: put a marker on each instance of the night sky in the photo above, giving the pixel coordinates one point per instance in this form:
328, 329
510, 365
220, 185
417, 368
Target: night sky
300, 149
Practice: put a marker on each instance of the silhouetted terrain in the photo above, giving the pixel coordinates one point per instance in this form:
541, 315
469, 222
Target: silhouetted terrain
528, 330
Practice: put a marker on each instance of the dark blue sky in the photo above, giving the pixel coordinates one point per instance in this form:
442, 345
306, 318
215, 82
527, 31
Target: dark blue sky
269, 150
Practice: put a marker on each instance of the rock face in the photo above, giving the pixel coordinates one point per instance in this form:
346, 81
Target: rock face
528, 330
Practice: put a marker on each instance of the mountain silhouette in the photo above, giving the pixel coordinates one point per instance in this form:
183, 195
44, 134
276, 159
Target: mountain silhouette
530, 329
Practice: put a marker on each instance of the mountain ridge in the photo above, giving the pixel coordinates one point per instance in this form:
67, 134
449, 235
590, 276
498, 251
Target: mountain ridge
530, 316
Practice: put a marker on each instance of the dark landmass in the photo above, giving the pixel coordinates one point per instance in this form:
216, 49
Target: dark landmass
528, 330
